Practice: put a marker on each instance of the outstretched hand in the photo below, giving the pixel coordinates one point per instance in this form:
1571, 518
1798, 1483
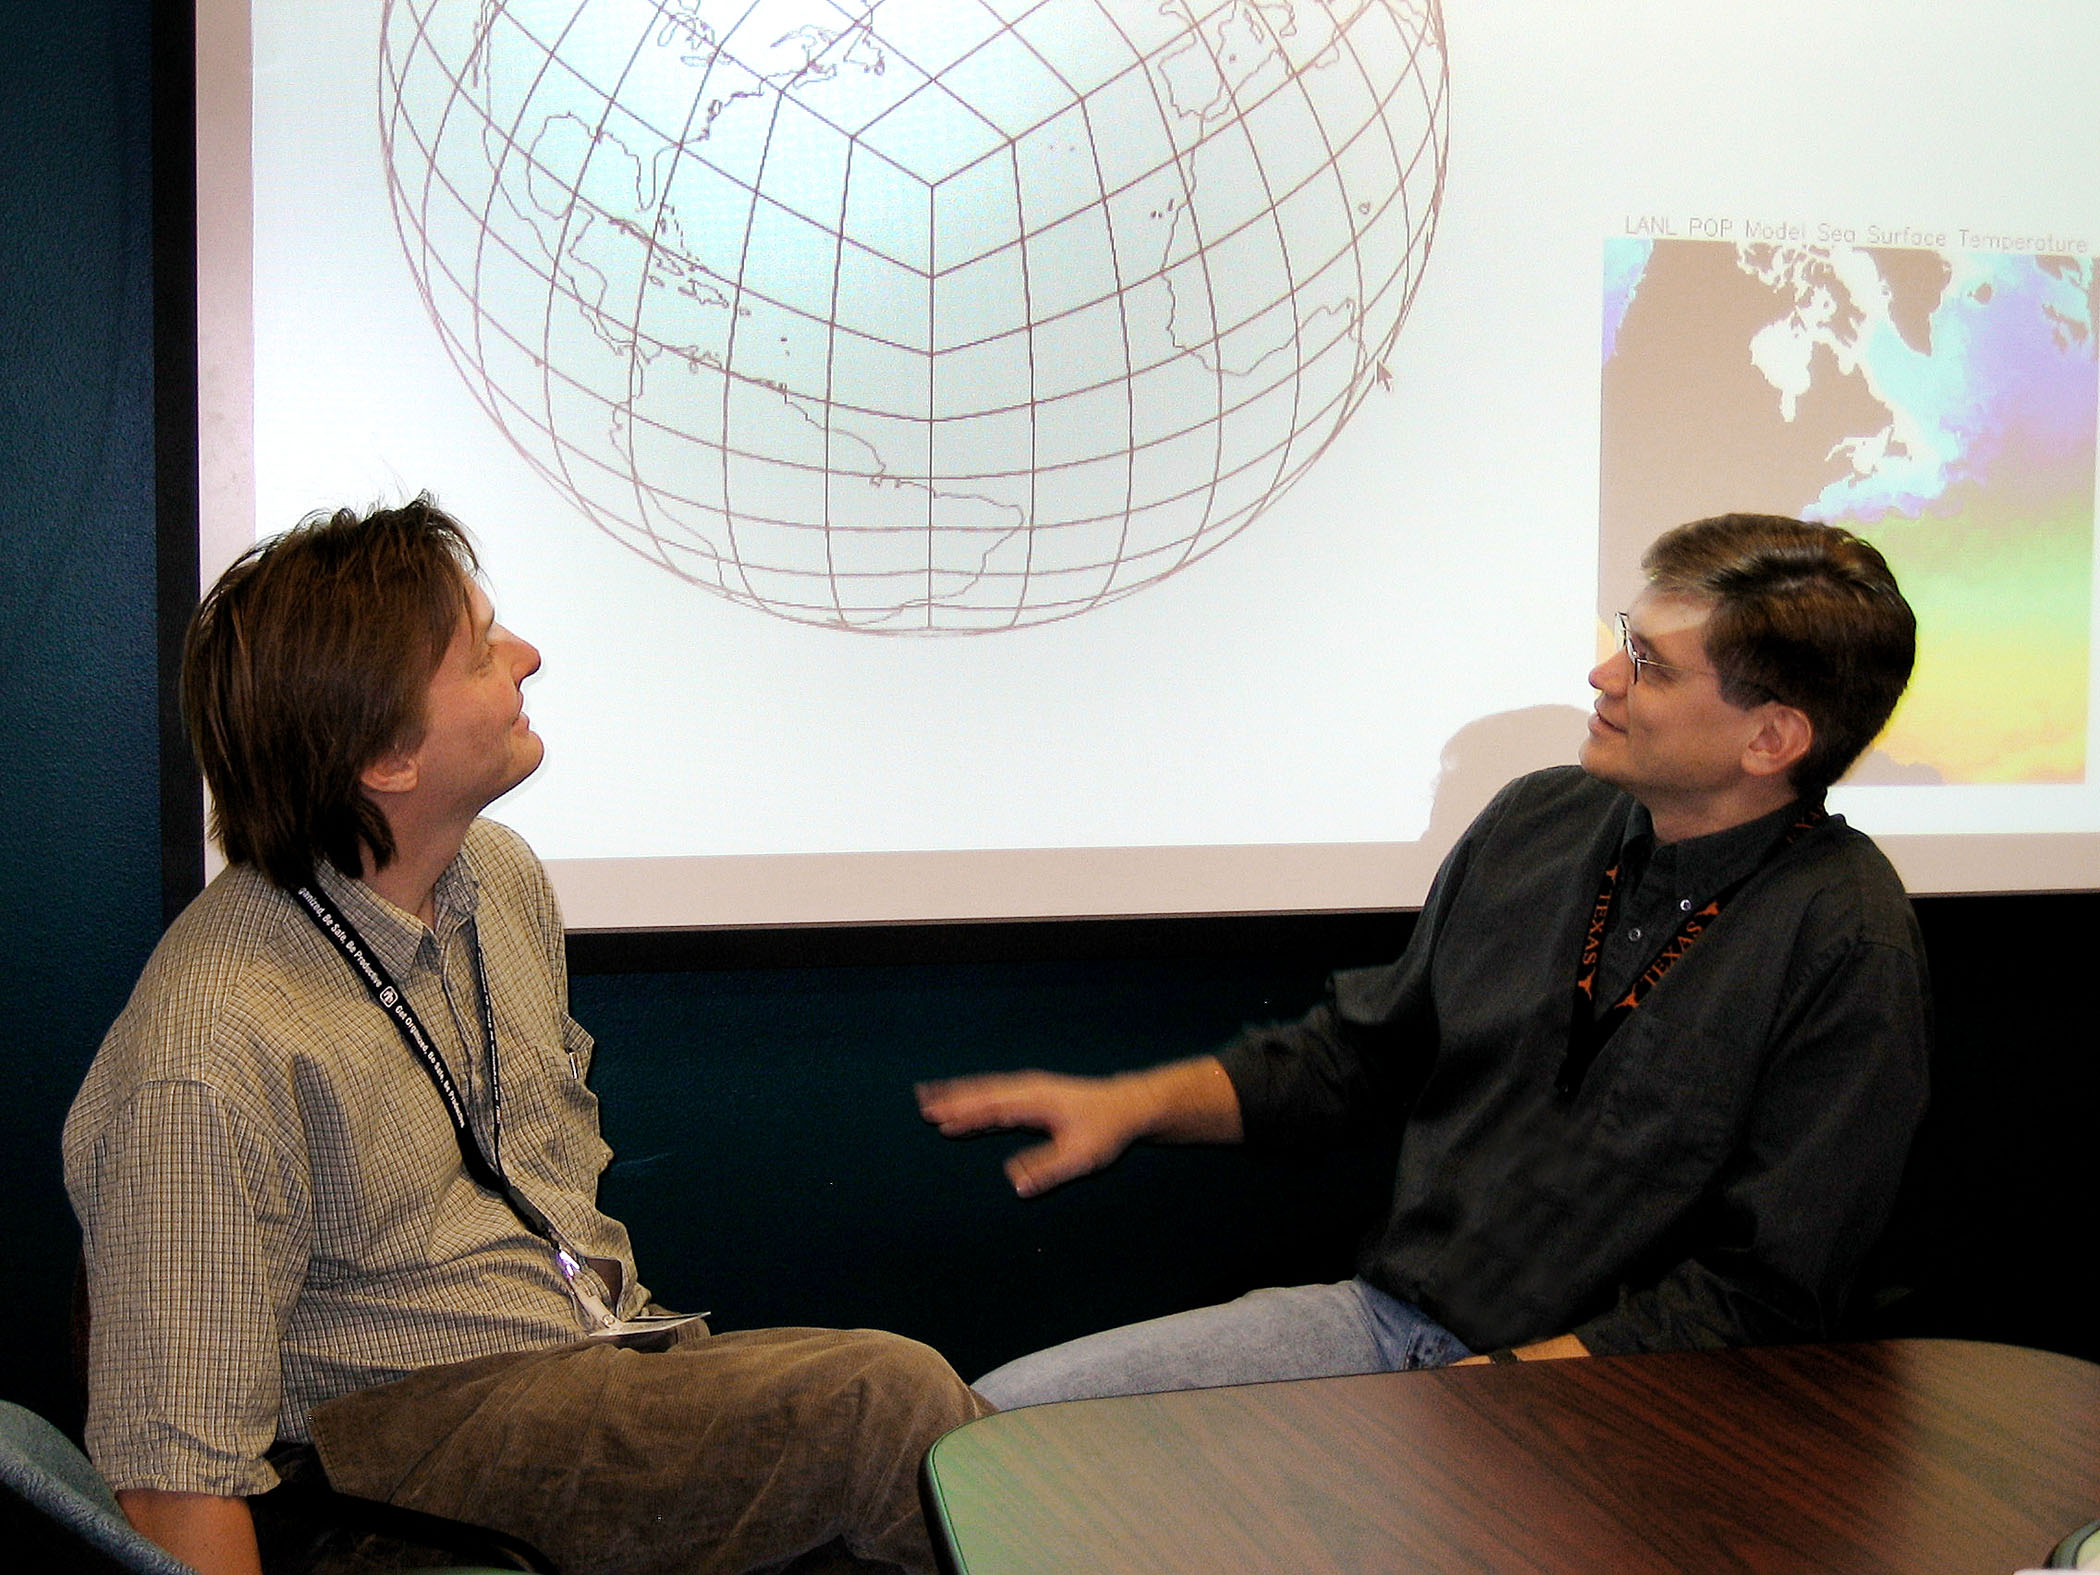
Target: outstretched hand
1089, 1120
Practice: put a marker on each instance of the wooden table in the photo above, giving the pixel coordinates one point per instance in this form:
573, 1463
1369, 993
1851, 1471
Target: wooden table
1901, 1455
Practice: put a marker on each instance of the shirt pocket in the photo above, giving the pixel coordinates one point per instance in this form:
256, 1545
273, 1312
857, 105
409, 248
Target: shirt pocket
1674, 1095
547, 1104
580, 1046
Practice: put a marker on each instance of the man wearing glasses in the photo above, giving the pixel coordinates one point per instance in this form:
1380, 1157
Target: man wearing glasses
1658, 1040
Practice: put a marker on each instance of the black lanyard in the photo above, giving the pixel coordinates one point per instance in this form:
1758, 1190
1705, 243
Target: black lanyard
1588, 1029
487, 1173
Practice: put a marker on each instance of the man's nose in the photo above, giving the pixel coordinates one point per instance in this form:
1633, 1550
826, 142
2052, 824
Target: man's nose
524, 656
1614, 674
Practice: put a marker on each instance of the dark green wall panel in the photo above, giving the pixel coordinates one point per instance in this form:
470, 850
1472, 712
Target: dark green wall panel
80, 883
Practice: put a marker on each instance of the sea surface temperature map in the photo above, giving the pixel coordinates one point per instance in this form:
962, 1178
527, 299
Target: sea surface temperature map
1941, 403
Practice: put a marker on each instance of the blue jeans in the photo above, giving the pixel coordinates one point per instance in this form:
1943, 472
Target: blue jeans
1306, 1331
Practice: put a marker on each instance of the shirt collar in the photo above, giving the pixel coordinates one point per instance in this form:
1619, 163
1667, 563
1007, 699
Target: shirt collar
397, 938
1697, 867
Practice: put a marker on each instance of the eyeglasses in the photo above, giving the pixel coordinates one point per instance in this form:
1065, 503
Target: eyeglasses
1641, 662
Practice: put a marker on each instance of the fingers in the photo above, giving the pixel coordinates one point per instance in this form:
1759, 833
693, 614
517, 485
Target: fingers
981, 1104
1036, 1170
1081, 1122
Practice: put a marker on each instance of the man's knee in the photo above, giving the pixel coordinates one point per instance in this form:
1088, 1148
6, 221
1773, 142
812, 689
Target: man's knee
900, 1377
863, 1377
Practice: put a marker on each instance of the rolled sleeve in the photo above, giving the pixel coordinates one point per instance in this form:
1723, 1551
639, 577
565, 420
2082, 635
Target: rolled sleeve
194, 1257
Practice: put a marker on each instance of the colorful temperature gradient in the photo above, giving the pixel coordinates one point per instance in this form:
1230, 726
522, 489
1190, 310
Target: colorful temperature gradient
1940, 403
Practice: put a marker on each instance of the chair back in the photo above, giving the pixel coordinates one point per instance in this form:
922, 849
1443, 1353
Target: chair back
63, 1508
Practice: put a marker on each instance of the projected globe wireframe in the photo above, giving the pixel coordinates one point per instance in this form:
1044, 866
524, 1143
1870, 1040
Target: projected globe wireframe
917, 316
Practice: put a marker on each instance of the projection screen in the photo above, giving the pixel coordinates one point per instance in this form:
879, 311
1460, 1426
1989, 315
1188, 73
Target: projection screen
1014, 458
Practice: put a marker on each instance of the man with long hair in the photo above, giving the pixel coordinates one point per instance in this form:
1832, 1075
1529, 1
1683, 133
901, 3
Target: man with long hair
337, 1164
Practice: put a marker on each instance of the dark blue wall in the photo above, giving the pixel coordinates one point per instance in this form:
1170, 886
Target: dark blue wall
770, 1161
80, 886
774, 1169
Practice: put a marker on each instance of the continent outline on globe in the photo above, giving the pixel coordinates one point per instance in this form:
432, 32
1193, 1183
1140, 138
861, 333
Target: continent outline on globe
867, 319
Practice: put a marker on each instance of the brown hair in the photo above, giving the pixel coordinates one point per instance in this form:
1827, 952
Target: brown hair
1808, 615
310, 659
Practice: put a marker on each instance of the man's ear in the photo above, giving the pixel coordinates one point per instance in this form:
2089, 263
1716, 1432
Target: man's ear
1783, 736
396, 771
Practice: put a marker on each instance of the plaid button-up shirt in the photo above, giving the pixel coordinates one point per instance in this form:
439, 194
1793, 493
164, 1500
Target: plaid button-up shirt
273, 1201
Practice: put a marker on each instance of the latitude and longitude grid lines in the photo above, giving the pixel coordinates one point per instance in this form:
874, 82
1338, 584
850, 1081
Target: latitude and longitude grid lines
581, 304
841, 528
1286, 459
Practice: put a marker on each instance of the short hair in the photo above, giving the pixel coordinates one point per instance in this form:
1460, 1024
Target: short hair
310, 659
1805, 614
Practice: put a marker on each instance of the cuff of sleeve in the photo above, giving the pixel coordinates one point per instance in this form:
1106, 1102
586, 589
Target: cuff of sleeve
1245, 1068
1610, 1336
249, 1481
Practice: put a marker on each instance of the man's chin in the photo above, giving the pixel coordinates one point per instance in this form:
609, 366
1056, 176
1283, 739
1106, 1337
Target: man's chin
529, 760
1595, 758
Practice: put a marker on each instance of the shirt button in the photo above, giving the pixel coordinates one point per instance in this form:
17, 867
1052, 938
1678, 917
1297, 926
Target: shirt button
1684, 905
1634, 933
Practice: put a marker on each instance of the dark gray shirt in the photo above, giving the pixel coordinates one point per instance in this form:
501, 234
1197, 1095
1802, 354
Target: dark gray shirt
1735, 1148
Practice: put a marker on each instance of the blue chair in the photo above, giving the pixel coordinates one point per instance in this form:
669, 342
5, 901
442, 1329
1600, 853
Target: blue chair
61, 1514
68, 1516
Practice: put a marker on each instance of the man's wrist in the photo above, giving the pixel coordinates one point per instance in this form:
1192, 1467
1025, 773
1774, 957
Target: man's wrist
1183, 1102
1561, 1345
